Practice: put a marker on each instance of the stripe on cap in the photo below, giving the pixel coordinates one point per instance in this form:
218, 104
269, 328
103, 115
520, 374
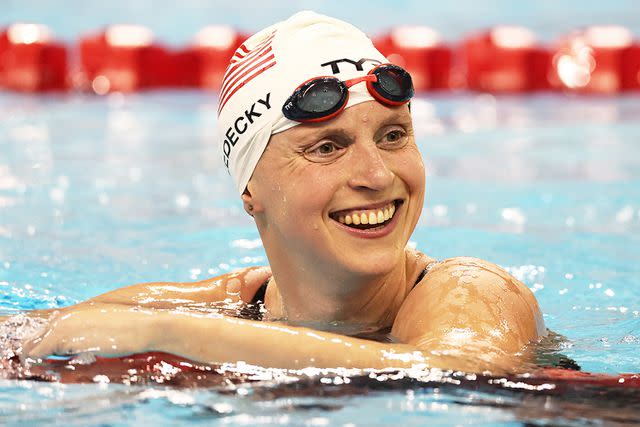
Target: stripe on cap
246, 64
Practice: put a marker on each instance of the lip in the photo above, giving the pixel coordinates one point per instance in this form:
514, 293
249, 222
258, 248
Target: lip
373, 233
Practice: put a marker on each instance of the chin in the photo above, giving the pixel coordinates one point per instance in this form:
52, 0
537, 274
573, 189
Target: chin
373, 263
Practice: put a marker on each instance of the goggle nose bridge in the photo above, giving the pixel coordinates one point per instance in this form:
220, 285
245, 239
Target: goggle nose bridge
368, 78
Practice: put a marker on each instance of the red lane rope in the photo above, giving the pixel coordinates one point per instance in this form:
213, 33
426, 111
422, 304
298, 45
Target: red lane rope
596, 59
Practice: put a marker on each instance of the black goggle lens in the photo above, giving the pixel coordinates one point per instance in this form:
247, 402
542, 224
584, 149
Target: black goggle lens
324, 96
394, 83
320, 96
317, 98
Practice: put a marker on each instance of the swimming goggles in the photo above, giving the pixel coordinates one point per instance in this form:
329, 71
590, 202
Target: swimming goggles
322, 98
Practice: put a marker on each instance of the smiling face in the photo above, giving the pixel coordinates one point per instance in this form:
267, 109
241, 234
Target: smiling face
342, 196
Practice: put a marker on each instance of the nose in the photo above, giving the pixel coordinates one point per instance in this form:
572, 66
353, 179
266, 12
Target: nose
368, 168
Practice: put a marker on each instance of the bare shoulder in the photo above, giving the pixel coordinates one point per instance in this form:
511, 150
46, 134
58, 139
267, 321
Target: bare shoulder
416, 263
474, 297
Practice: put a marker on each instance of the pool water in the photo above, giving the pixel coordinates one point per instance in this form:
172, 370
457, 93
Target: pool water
97, 193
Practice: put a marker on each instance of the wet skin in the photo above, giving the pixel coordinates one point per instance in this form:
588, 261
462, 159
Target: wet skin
465, 313
365, 158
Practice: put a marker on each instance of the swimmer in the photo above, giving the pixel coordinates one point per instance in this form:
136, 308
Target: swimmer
317, 135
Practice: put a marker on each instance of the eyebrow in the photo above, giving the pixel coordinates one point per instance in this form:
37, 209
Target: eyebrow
317, 129
397, 117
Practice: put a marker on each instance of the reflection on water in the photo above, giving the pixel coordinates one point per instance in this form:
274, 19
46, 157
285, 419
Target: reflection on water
248, 393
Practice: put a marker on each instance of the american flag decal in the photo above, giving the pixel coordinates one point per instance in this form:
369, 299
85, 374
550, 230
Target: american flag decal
246, 65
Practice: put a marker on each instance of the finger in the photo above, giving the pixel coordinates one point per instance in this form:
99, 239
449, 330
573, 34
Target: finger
37, 349
28, 345
34, 353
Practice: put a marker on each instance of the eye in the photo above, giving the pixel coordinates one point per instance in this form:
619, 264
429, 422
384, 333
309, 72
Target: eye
324, 151
395, 138
394, 135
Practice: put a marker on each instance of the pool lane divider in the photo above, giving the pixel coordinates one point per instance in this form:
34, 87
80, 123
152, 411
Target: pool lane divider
601, 59
31, 60
127, 58
423, 53
506, 59
598, 59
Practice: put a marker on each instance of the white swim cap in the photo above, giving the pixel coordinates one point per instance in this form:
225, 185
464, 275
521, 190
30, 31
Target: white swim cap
269, 66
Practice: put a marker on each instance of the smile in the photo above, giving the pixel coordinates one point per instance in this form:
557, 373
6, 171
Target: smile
366, 219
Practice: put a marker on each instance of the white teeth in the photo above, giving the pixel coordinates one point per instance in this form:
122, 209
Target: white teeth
372, 217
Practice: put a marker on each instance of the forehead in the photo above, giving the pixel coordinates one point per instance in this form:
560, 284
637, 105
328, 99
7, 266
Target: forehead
369, 115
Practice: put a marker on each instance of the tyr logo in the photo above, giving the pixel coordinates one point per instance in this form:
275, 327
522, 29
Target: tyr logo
358, 64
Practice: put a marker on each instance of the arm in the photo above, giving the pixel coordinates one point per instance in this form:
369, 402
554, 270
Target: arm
115, 330
451, 321
238, 285
473, 309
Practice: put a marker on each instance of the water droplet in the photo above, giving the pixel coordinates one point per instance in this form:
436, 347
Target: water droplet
57, 195
440, 210
182, 201
514, 215
625, 214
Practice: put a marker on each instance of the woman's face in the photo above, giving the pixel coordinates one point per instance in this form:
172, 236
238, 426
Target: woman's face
316, 185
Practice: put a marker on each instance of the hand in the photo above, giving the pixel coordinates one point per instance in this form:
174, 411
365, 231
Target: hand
102, 329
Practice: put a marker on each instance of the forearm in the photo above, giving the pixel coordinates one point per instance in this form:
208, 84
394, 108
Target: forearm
280, 346
116, 330
223, 339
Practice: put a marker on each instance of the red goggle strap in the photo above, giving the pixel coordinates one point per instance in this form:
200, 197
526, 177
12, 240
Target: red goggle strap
368, 78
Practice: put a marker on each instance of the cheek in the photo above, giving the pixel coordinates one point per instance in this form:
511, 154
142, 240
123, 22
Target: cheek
299, 203
311, 193
412, 171
419, 174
